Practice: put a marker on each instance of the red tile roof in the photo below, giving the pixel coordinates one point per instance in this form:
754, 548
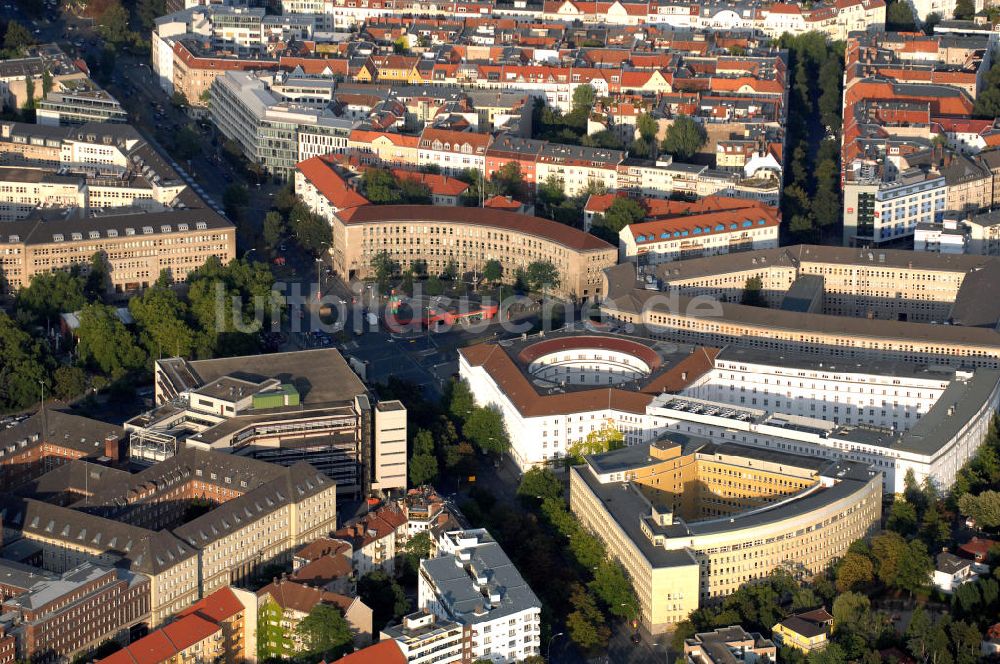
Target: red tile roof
442, 185
219, 606
324, 546
570, 238
321, 174
383, 652
297, 596
502, 203
323, 570
163, 644
189, 630
727, 221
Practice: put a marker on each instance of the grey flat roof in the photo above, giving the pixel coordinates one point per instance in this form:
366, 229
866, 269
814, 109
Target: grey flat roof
321, 375
465, 601
802, 361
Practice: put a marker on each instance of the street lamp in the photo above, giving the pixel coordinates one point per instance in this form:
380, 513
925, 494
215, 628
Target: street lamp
248, 252
548, 649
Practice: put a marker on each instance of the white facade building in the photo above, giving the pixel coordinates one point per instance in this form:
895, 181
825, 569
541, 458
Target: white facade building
473, 583
896, 417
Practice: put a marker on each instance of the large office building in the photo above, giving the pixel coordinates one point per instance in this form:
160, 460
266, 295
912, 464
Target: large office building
193, 523
832, 302
473, 583
441, 236
896, 417
271, 131
691, 521
283, 408
60, 616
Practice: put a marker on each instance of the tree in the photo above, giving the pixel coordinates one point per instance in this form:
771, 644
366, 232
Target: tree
414, 192
433, 286
460, 400
931, 21
113, 25
965, 639
645, 124
274, 228
605, 139
312, 232
46, 83
450, 271
149, 10
423, 465
30, 103
915, 567
106, 343
161, 318
98, 276
509, 181
753, 293
234, 199
551, 192
888, 550
486, 430
584, 97
187, 143
917, 632
597, 441
984, 508
612, 585
833, 653
640, 148
851, 611
16, 39
854, 572
540, 483
542, 275
899, 17
492, 271
70, 382
49, 294
381, 186
621, 213
965, 10
902, 517
23, 366
386, 598
384, 267
325, 633
684, 138
586, 624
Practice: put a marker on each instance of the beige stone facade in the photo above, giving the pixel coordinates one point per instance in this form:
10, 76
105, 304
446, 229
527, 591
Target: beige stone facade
137, 247
754, 512
469, 237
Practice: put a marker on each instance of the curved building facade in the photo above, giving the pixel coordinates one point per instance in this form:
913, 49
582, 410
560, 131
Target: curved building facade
691, 521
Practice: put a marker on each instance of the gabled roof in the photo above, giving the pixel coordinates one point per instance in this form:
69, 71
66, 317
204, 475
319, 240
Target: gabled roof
217, 607
383, 652
321, 174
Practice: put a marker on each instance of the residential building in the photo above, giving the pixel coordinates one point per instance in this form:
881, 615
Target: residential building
948, 237
383, 652
694, 236
729, 644
376, 539
79, 101
665, 512
473, 583
426, 639
283, 604
220, 628
950, 572
804, 631
286, 408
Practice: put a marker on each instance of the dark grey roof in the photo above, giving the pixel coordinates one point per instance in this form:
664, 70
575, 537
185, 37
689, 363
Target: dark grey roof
65, 429
949, 563
38, 231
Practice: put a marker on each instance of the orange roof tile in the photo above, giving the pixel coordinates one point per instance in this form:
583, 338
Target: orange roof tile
220, 605
383, 652
442, 185
321, 175
189, 630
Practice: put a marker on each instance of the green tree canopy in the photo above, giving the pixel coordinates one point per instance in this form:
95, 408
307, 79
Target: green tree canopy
492, 271
542, 275
984, 508
460, 400
684, 138
386, 598
645, 124
23, 368
16, 39
312, 232
161, 318
69, 382
584, 97
49, 294
106, 343
486, 430
274, 229
753, 293
325, 633
622, 212
597, 441
540, 483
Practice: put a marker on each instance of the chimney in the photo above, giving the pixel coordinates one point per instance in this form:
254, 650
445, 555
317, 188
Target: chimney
112, 448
